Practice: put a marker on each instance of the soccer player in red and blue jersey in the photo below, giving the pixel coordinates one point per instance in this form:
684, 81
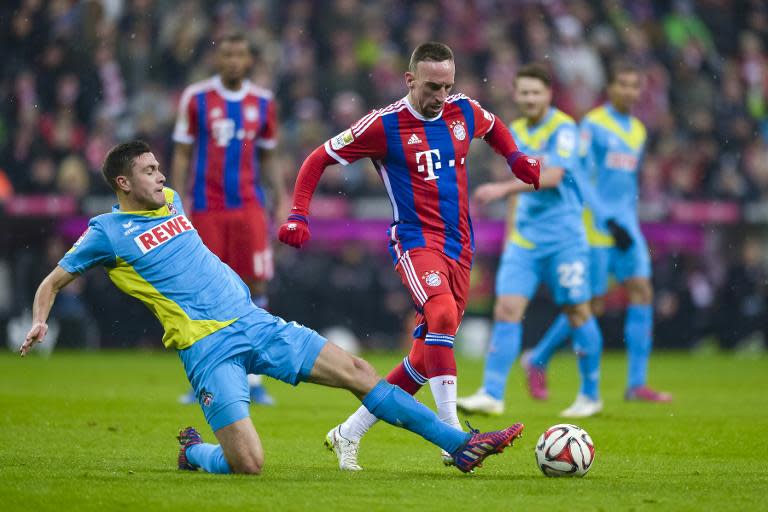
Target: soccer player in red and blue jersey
419, 146
225, 131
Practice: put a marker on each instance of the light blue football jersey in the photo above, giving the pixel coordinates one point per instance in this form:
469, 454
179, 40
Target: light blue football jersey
158, 257
611, 151
549, 218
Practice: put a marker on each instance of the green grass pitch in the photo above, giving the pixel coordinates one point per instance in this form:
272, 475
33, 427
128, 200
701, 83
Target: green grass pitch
95, 431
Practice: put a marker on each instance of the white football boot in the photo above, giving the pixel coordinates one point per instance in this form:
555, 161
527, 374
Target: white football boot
481, 403
583, 407
345, 450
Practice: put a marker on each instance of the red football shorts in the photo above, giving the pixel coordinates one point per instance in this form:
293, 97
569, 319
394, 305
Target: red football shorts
239, 237
427, 272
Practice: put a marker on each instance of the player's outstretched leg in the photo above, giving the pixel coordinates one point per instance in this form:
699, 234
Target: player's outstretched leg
344, 439
638, 335
334, 367
535, 362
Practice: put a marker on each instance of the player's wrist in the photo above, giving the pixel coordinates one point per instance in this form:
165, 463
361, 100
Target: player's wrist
297, 217
512, 157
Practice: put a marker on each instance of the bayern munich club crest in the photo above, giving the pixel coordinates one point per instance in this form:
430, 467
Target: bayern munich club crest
432, 278
458, 130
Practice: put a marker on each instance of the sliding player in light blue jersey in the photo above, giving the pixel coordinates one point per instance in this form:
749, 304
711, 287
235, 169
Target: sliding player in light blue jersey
548, 244
152, 252
612, 144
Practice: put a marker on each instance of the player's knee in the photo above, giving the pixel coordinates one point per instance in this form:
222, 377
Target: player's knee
639, 291
507, 309
250, 467
442, 315
362, 377
578, 314
598, 306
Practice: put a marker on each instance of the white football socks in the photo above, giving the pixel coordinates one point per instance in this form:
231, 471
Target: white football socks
254, 380
444, 392
357, 424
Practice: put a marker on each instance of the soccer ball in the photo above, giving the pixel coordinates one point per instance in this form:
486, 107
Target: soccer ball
565, 450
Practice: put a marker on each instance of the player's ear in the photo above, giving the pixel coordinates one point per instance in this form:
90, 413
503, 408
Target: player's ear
410, 80
123, 183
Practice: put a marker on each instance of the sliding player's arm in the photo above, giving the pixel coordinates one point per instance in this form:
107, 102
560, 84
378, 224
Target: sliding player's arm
93, 248
365, 139
41, 307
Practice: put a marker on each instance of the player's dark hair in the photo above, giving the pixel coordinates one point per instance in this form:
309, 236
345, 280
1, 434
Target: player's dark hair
431, 51
236, 36
536, 70
621, 66
119, 161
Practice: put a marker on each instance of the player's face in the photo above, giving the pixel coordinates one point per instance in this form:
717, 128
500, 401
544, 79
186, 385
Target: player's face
145, 184
234, 61
624, 91
533, 97
430, 85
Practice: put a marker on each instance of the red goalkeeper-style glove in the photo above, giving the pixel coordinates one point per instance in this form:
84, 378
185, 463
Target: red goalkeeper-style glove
527, 169
294, 231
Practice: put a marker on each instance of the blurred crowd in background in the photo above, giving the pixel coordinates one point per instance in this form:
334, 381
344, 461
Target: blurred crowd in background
77, 77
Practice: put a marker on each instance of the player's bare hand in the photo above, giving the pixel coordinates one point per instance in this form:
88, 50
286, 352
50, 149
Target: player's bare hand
35, 335
488, 193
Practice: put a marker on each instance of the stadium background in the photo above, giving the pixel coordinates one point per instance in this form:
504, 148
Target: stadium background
78, 77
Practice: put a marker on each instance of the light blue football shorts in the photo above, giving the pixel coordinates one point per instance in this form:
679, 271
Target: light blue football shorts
623, 265
217, 366
564, 270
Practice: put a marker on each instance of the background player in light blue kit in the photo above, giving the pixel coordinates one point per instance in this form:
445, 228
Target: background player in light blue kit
152, 252
548, 244
612, 144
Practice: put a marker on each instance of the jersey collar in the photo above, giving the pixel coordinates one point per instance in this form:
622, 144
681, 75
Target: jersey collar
418, 116
228, 94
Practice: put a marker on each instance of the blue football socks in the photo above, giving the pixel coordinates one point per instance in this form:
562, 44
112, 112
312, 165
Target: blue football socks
638, 335
588, 344
553, 339
393, 405
502, 352
208, 456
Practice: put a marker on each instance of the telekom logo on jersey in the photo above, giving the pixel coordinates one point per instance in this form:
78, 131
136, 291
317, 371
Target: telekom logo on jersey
432, 160
162, 233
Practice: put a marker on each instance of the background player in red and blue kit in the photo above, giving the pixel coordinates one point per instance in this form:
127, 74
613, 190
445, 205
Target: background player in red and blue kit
225, 131
419, 146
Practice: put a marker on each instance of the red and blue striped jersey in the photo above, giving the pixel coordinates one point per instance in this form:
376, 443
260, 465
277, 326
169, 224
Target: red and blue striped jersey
423, 164
228, 129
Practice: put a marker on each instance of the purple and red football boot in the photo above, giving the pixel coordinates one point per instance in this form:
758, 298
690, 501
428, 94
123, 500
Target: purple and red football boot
481, 445
187, 437
646, 394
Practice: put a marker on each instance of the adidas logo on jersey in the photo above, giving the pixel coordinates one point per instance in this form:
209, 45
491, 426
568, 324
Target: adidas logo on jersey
414, 139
